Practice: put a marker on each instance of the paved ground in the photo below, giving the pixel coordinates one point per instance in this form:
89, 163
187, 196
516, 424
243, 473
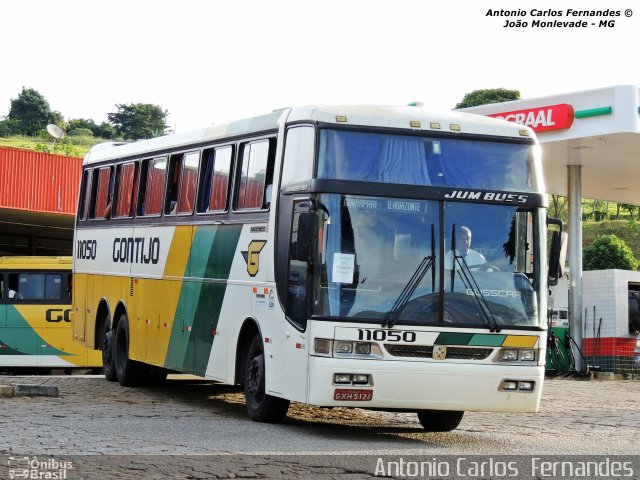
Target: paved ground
189, 417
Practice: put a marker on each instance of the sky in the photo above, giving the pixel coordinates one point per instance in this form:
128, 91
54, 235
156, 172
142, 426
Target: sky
213, 61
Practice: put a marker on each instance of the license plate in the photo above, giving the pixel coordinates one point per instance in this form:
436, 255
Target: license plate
351, 395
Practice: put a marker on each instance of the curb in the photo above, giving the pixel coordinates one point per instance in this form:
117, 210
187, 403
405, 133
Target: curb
6, 391
25, 390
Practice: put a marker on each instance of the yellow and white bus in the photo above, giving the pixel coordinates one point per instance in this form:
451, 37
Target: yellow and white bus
311, 255
35, 308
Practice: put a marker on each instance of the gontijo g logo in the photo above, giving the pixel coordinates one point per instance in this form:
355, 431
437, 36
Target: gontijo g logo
252, 256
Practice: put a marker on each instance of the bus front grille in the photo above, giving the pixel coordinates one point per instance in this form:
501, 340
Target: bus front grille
426, 351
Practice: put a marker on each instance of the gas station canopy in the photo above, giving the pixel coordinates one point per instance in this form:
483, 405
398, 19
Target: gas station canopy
598, 130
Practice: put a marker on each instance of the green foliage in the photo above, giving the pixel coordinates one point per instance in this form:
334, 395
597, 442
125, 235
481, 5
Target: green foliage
31, 112
60, 148
106, 130
79, 132
608, 251
136, 121
490, 95
76, 123
7, 127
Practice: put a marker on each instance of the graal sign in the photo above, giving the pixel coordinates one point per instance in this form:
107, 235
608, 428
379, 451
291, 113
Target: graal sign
541, 119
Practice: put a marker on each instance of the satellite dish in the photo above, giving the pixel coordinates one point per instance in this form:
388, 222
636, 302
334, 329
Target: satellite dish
55, 131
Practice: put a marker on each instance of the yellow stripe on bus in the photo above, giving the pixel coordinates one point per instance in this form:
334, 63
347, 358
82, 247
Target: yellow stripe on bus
526, 341
176, 265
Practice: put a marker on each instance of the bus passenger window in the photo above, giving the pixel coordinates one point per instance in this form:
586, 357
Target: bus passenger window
216, 168
102, 193
84, 194
125, 187
187, 185
154, 173
256, 174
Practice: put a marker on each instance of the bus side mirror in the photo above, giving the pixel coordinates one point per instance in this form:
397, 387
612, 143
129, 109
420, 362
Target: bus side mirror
557, 251
557, 256
306, 226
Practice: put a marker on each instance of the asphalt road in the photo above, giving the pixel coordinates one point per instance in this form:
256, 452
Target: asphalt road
187, 417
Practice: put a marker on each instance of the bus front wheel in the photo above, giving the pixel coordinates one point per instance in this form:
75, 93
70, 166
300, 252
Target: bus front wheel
108, 363
129, 372
261, 407
439, 420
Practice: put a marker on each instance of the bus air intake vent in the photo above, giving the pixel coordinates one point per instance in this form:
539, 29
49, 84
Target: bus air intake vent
426, 351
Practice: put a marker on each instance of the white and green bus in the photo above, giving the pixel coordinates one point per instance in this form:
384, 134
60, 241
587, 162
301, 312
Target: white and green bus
355, 256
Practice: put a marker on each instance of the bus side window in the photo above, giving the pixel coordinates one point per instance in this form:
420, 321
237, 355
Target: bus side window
101, 193
181, 187
84, 194
255, 175
154, 173
215, 176
126, 177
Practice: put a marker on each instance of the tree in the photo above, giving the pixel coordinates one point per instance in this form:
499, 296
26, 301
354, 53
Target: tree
609, 251
629, 208
106, 130
31, 112
559, 203
135, 121
76, 123
490, 95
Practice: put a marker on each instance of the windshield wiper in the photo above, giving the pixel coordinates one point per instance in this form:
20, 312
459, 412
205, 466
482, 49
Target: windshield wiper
392, 315
471, 284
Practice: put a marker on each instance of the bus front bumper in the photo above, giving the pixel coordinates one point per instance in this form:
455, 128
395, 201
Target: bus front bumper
411, 385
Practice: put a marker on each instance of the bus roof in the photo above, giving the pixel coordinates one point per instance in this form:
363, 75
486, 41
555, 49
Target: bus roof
402, 117
35, 263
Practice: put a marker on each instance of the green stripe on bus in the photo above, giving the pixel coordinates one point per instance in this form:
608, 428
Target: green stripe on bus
451, 338
200, 301
22, 337
7, 350
487, 340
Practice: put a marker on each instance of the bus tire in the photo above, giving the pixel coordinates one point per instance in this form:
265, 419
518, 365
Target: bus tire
129, 372
439, 420
108, 360
261, 407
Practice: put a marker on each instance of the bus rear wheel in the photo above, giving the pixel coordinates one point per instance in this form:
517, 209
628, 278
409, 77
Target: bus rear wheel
108, 362
439, 420
129, 372
261, 407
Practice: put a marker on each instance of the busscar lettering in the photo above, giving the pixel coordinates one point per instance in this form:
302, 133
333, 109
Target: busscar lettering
485, 292
136, 250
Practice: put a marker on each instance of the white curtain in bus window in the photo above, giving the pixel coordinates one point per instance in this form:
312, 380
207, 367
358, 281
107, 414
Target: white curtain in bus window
253, 175
372, 157
475, 164
156, 175
125, 181
187, 188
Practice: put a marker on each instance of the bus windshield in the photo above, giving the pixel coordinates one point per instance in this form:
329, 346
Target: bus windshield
422, 262
414, 160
